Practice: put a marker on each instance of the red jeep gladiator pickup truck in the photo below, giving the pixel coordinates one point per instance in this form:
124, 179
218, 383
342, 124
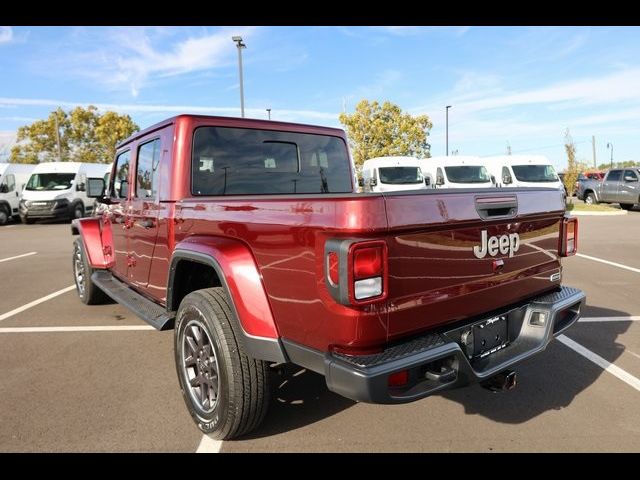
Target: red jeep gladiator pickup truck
246, 237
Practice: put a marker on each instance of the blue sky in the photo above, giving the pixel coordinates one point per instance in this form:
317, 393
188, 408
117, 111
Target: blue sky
517, 86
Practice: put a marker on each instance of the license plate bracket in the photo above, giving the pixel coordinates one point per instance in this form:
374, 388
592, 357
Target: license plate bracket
489, 336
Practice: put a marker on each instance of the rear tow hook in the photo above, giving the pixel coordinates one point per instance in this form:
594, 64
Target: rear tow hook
501, 382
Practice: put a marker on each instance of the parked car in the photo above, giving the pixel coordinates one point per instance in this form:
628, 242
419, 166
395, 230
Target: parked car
523, 171
13, 178
618, 186
458, 171
389, 174
248, 240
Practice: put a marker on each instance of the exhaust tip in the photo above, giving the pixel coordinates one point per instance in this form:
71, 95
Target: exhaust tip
501, 382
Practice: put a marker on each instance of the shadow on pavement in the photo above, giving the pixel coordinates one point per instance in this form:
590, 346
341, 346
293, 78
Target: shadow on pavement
300, 397
549, 380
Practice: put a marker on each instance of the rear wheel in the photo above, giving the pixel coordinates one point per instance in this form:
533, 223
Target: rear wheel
88, 292
78, 211
226, 391
590, 199
626, 206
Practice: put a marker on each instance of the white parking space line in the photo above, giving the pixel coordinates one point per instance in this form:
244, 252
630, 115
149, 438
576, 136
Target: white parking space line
614, 370
610, 319
4, 316
107, 328
17, 256
209, 445
607, 262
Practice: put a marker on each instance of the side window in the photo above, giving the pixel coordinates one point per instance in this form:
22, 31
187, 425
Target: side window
120, 186
147, 169
614, 176
11, 183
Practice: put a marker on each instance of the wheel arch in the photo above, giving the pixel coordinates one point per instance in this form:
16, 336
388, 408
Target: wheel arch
234, 270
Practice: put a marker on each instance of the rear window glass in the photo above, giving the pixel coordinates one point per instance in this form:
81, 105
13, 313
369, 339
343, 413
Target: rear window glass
239, 161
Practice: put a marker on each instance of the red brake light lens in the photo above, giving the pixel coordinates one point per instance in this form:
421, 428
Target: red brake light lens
367, 262
569, 237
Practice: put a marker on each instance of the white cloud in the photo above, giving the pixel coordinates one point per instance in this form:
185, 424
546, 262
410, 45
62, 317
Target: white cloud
6, 34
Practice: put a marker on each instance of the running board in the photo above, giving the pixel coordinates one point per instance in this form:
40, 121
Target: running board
150, 312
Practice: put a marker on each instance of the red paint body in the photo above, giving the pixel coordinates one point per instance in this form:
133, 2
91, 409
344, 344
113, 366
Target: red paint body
271, 248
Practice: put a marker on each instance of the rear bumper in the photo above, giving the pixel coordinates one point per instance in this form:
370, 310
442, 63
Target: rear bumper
439, 361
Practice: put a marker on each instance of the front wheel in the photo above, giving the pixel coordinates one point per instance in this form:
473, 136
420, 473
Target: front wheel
4, 214
590, 199
78, 211
88, 292
626, 206
226, 392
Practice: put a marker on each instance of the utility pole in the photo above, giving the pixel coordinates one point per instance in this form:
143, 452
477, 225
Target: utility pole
240, 46
508, 148
447, 131
593, 145
269, 112
55, 116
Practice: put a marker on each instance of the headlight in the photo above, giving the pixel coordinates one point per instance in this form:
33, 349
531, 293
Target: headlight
24, 203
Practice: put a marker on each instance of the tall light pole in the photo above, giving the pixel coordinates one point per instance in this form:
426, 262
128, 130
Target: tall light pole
609, 144
269, 112
240, 45
447, 114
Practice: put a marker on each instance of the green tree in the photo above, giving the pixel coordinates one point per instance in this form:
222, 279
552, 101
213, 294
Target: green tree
573, 167
83, 135
376, 130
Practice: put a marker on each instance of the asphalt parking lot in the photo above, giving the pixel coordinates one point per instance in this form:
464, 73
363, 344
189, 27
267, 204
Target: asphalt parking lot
79, 378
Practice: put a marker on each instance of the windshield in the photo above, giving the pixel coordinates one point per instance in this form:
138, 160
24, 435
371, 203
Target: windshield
467, 174
535, 173
50, 181
400, 175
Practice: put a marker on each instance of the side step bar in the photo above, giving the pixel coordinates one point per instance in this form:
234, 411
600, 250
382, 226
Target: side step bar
150, 312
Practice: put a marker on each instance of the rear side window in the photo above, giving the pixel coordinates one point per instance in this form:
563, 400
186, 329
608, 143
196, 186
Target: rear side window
239, 161
147, 169
121, 179
614, 175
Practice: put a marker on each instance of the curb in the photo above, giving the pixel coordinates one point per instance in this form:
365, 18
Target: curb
597, 214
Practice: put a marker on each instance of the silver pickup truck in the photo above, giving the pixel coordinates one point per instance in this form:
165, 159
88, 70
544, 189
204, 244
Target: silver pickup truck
620, 185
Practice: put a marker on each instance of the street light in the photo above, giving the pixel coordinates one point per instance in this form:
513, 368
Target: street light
609, 144
447, 111
240, 45
269, 112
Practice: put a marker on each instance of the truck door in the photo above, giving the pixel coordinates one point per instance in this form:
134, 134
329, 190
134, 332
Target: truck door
628, 191
116, 214
143, 214
610, 185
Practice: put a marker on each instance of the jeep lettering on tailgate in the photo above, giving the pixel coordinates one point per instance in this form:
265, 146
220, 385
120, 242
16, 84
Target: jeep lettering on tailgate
492, 245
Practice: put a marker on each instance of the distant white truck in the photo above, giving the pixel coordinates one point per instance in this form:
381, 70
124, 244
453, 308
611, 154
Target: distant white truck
390, 174
13, 178
57, 190
458, 171
523, 171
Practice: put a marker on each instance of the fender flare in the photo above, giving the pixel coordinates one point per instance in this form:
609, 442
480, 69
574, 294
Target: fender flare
93, 233
239, 276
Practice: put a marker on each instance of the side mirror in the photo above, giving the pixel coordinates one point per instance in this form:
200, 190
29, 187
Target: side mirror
95, 188
506, 179
81, 187
439, 180
373, 182
493, 179
361, 182
427, 181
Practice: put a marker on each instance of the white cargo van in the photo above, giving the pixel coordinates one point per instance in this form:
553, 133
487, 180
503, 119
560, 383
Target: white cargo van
58, 190
13, 178
523, 171
389, 174
459, 171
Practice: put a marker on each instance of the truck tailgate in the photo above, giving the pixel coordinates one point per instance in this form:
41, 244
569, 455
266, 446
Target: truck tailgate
435, 275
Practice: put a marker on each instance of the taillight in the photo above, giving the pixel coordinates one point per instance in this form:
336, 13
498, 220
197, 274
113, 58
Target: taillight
367, 267
568, 237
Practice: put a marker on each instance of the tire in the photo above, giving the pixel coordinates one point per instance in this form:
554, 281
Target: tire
238, 391
626, 206
88, 292
78, 211
591, 199
4, 215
